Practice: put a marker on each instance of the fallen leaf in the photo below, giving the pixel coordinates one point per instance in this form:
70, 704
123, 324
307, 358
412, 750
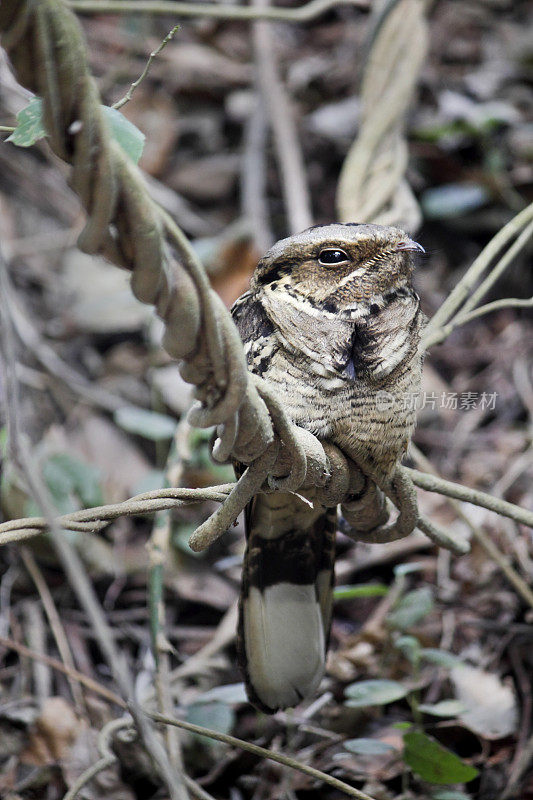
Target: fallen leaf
490, 704
236, 261
54, 731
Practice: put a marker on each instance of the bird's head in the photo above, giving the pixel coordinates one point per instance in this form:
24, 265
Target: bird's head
340, 264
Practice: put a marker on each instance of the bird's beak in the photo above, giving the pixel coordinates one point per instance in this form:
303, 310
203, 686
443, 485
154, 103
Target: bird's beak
410, 246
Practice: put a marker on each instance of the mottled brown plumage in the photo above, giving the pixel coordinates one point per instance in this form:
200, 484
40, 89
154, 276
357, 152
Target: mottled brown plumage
330, 321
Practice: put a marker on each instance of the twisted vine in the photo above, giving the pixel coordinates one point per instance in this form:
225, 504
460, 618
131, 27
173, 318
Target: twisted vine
372, 185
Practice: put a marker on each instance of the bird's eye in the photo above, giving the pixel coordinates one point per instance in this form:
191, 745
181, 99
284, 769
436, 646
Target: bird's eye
332, 256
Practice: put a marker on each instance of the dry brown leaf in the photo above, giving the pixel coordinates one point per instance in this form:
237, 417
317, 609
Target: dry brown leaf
54, 731
156, 115
192, 66
237, 261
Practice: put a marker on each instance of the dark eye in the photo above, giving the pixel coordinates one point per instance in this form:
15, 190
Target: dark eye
332, 256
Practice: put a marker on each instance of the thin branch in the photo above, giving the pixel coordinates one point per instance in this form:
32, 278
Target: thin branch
72, 674
127, 97
253, 179
305, 13
36, 633
90, 773
433, 483
196, 790
461, 318
459, 294
54, 620
241, 494
479, 534
457, 546
520, 768
281, 117
372, 186
223, 636
115, 659
159, 553
498, 269
262, 752
109, 758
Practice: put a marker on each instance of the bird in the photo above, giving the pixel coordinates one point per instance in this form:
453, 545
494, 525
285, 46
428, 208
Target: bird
331, 321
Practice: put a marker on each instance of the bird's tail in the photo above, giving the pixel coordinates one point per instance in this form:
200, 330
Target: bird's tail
286, 599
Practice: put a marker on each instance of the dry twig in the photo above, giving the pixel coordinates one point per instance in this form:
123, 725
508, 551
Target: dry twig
129, 94
281, 117
262, 752
305, 13
54, 620
72, 674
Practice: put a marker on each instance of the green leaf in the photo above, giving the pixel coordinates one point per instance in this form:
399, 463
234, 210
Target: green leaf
85, 478
368, 747
30, 125
373, 693
446, 708
361, 590
128, 136
60, 486
150, 424
440, 657
30, 129
410, 647
434, 763
69, 479
411, 609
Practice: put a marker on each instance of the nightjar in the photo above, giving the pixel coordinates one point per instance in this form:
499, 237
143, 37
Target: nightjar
331, 321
